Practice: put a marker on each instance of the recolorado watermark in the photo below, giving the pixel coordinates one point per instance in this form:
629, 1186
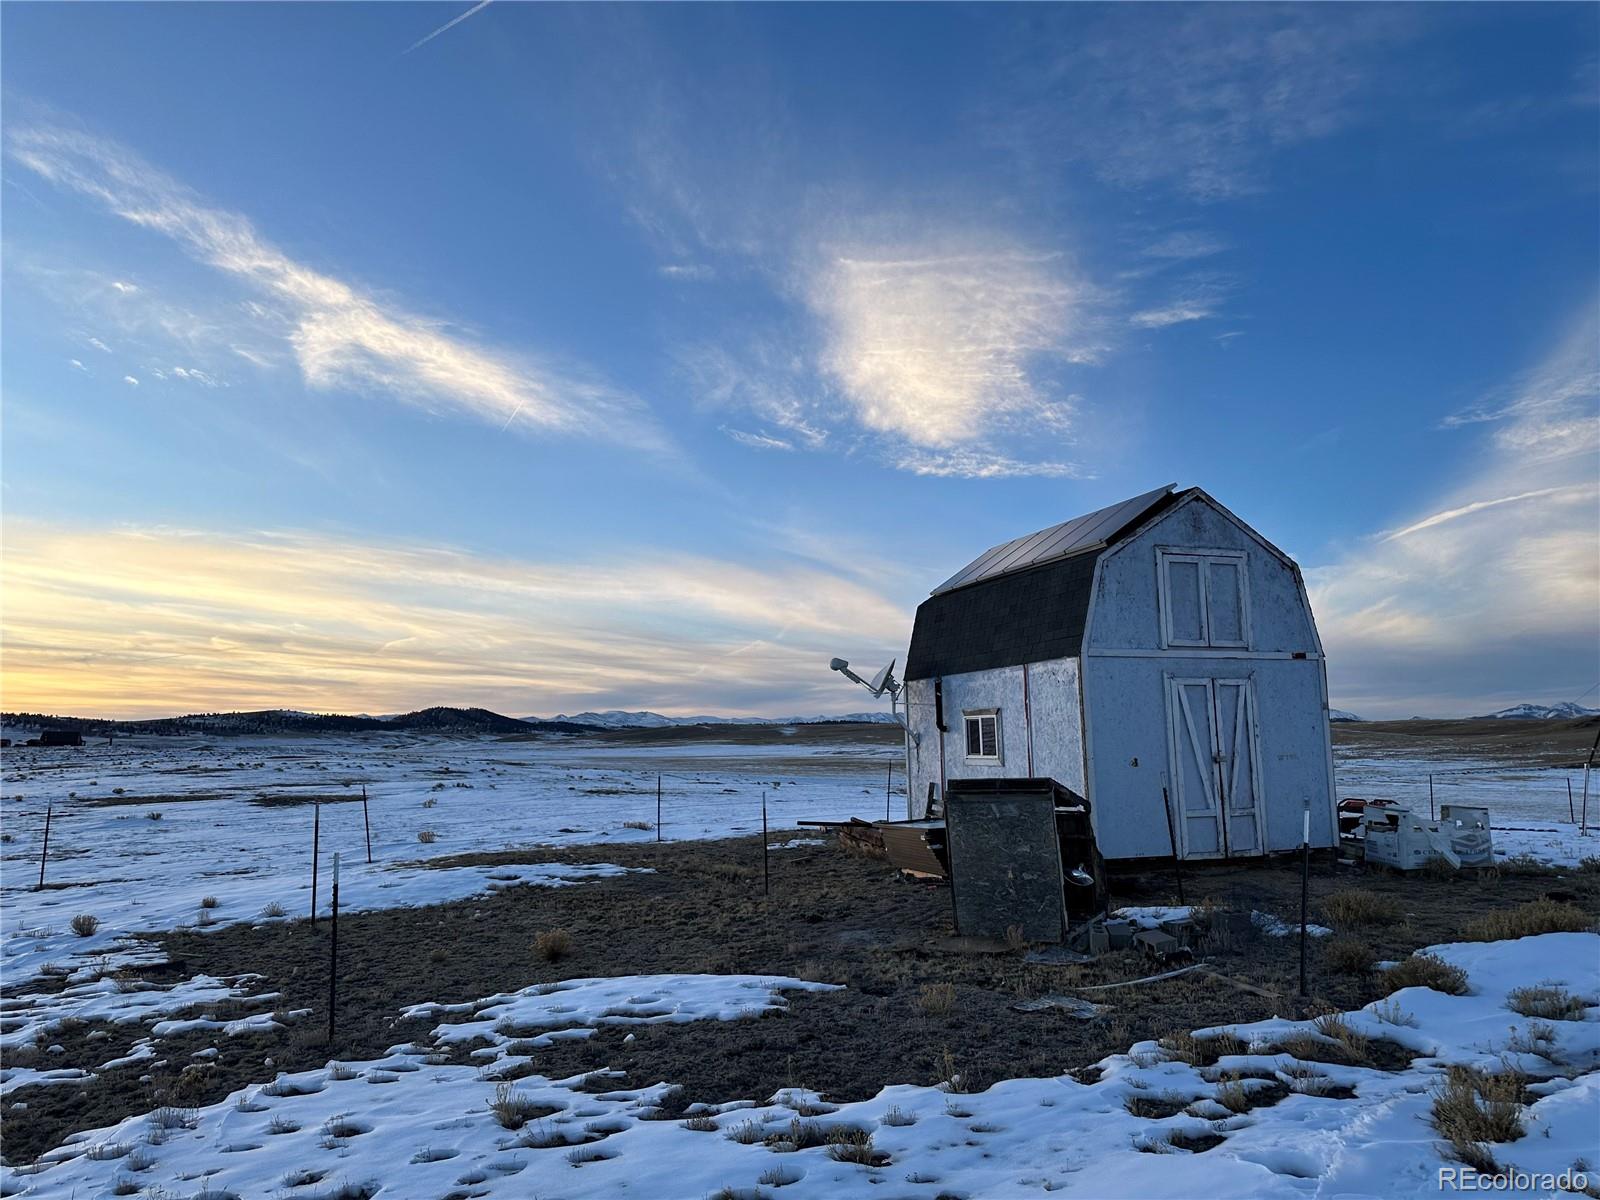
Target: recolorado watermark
1470, 1179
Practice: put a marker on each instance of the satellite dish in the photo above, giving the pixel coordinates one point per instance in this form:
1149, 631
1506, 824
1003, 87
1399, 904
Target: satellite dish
881, 678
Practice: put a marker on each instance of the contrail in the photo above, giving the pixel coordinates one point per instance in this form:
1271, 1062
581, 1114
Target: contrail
450, 24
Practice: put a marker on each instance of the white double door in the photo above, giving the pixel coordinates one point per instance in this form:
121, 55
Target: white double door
1216, 768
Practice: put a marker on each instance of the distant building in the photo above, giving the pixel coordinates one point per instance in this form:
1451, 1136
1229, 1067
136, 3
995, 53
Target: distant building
60, 737
1157, 643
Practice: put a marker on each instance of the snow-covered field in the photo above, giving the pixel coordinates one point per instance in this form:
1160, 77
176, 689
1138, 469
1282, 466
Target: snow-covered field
152, 834
143, 832
1514, 795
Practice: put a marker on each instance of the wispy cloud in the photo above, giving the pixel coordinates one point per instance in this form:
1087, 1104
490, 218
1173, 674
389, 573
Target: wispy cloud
448, 25
690, 272
981, 464
955, 346
1176, 314
340, 335
1197, 296
1491, 593
946, 355
767, 376
1195, 96
756, 441
1466, 510
130, 381
161, 620
1186, 244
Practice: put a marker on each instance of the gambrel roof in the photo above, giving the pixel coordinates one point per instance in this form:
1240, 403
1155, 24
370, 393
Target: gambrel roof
1025, 600
1088, 532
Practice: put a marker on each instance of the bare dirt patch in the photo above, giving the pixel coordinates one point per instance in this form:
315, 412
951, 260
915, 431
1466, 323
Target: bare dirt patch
295, 800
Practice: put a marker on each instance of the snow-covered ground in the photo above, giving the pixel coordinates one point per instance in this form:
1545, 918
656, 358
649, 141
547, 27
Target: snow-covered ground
146, 833
143, 832
408, 1125
1514, 795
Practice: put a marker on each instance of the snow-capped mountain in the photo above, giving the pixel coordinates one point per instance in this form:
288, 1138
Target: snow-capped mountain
1565, 711
1339, 714
616, 718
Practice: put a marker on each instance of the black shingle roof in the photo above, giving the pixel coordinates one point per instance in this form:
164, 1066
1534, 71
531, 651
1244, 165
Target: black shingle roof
1026, 616
1030, 615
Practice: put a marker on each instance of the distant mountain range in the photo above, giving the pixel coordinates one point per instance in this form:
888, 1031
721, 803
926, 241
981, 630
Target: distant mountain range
425, 720
1565, 711
283, 720
615, 718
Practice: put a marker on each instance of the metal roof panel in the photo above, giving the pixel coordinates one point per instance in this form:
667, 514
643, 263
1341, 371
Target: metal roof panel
1058, 541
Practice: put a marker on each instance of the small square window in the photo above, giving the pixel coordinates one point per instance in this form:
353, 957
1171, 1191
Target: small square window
983, 735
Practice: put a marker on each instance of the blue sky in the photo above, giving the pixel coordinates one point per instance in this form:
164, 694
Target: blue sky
647, 356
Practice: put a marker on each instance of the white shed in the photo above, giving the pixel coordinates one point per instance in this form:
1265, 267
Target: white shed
1157, 644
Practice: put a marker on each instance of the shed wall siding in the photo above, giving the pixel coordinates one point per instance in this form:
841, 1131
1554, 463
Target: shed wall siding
1125, 612
1048, 711
1127, 711
1124, 673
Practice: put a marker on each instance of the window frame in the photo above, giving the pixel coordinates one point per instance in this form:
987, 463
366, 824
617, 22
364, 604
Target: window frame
1203, 560
979, 715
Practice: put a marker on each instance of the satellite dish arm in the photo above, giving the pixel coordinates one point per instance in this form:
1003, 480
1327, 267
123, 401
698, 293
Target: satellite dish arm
849, 674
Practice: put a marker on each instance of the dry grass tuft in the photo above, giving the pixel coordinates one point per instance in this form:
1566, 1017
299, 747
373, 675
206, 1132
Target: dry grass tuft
801, 1135
1472, 1108
1348, 955
1390, 1013
209, 902
937, 999
1353, 1047
273, 909
514, 1109
1539, 1038
854, 1146
1233, 1095
427, 836
1357, 906
1537, 916
1157, 1106
746, 1133
553, 944
1201, 1052
1546, 1001
1426, 970
84, 924
701, 1124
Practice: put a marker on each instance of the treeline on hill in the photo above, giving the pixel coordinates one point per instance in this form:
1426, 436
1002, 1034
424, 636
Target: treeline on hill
427, 720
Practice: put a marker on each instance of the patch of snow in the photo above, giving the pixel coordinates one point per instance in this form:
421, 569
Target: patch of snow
1150, 916
1274, 926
